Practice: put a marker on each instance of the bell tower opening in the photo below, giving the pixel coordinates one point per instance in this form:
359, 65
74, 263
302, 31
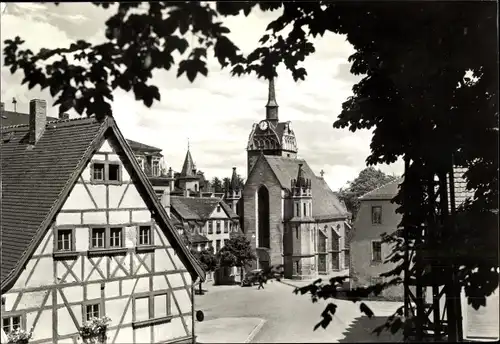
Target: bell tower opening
263, 212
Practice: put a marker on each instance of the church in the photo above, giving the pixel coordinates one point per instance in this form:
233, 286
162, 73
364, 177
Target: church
289, 214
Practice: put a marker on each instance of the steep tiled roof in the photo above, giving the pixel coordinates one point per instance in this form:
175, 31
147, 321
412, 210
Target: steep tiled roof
138, 146
384, 192
36, 180
325, 204
194, 208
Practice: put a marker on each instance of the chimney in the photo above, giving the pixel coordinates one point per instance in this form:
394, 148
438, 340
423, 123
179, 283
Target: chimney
38, 120
165, 200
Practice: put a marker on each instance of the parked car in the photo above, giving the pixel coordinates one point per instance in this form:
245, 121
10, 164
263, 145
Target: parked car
251, 278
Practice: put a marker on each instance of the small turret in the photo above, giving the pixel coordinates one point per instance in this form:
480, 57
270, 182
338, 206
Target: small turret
233, 194
301, 187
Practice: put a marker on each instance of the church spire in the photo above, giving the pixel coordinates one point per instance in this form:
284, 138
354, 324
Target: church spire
234, 181
272, 105
188, 166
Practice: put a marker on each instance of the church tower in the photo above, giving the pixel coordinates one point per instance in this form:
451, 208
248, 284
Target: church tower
189, 180
233, 194
270, 136
299, 243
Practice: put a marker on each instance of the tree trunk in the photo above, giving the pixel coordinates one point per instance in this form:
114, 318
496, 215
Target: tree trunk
241, 274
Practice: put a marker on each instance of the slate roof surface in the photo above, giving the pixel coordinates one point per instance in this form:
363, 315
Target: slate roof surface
33, 179
138, 146
325, 204
384, 192
229, 211
194, 208
9, 118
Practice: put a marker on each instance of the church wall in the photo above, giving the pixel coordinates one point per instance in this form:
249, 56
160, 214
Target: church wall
263, 175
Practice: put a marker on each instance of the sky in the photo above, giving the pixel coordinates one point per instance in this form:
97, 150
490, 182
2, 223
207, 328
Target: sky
214, 113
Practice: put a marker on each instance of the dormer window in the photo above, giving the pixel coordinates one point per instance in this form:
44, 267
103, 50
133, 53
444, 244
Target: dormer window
218, 208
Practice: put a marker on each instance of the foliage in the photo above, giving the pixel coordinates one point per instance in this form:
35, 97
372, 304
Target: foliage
429, 90
19, 336
236, 252
223, 185
367, 180
94, 330
206, 258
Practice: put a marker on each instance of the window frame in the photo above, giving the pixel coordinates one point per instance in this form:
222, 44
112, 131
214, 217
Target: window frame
210, 229
151, 311
105, 179
226, 226
218, 229
218, 208
373, 261
374, 222
85, 304
122, 237
150, 236
157, 163
64, 253
11, 315
107, 249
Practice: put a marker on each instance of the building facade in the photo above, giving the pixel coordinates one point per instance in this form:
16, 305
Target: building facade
378, 215
84, 236
290, 215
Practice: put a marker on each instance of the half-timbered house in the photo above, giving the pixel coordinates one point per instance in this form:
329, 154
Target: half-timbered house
83, 235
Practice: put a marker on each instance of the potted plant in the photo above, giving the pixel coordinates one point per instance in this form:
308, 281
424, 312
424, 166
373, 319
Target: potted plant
94, 331
19, 336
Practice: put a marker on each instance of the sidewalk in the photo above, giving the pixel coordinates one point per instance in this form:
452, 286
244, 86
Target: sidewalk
228, 330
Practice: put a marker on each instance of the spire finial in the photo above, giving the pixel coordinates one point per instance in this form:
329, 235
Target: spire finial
321, 173
272, 105
188, 143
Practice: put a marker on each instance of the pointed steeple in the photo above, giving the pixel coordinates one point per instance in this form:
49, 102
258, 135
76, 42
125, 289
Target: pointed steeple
188, 166
301, 182
272, 105
234, 181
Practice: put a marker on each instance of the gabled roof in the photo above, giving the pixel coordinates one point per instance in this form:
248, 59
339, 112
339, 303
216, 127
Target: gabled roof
229, 212
385, 192
325, 204
36, 180
194, 208
141, 147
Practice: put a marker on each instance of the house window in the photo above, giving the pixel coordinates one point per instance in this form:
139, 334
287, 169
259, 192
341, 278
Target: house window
11, 323
217, 245
230, 225
217, 229
98, 236
377, 215
226, 226
218, 208
210, 245
65, 240
305, 209
115, 237
150, 309
92, 311
210, 227
347, 259
376, 251
106, 172
145, 235
98, 171
156, 168
114, 172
